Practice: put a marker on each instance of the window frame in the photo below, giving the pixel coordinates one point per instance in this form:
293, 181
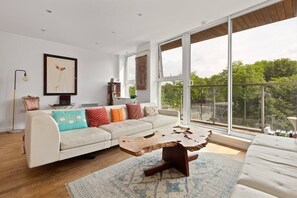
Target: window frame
127, 82
161, 76
186, 54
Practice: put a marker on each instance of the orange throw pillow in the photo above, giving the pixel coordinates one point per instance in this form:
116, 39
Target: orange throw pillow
117, 115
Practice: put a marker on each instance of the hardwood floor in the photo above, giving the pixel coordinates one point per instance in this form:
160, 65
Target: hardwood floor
17, 180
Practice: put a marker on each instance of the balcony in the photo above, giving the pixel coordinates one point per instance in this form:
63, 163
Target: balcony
254, 106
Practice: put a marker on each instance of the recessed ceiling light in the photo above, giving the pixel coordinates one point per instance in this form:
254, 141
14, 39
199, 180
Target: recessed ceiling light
139, 14
49, 11
43, 30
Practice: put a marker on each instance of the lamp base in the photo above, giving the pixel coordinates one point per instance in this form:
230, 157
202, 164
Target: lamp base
16, 131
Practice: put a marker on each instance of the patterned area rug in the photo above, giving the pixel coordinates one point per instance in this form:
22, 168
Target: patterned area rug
211, 175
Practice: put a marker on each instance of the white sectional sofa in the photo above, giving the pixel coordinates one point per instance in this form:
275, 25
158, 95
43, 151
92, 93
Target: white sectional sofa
45, 144
270, 169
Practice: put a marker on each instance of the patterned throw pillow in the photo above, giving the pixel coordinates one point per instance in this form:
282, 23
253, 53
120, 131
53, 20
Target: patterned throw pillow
69, 120
31, 103
117, 115
97, 117
150, 110
134, 111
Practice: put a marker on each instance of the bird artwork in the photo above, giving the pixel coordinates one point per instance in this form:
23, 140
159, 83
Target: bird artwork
60, 68
59, 86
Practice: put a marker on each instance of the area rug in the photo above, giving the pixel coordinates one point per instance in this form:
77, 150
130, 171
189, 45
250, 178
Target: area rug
211, 175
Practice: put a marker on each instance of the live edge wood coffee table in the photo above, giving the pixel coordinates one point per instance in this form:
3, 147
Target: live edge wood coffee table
176, 142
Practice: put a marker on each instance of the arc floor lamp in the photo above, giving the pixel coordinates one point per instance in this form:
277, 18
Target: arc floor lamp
25, 78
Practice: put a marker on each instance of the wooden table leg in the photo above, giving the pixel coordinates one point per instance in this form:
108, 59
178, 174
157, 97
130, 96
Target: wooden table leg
163, 165
173, 157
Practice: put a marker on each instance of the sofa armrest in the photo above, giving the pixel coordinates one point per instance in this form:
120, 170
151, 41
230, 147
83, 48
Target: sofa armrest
168, 112
42, 139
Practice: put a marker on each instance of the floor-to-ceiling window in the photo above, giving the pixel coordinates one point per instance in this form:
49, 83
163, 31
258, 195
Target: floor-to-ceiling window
170, 75
209, 101
265, 76
259, 90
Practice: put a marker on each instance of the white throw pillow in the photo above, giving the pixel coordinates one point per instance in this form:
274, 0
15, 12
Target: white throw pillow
150, 110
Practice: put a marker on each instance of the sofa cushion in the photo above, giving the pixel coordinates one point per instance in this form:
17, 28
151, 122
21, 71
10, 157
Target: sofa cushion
263, 171
246, 192
97, 117
117, 115
160, 120
273, 155
82, 137
69, 120
289, 144
134, 111
127, 127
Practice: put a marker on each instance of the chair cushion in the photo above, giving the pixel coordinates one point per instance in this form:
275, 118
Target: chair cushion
127, 127
81, 137
97, 117
134, 111
270, 170
289, 144
69, 120
117, 115
160, 120
246, 192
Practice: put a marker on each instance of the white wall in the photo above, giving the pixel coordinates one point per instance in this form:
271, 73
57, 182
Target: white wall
18, 52
154, 73
143, 96
150, 94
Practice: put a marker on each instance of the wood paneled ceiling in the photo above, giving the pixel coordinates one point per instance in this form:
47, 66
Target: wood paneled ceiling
277, 12
283, 10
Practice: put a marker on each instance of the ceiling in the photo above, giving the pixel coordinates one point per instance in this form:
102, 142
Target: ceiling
112, 26
276, 12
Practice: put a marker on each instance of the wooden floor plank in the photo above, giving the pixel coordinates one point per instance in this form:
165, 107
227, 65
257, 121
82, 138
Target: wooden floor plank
17, 180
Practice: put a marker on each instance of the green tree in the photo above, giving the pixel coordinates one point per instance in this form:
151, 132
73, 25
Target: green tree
280, 68
171, 95
281, 100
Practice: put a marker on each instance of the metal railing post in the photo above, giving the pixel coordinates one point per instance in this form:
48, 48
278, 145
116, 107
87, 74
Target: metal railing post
244, 107
262, 108
214, 105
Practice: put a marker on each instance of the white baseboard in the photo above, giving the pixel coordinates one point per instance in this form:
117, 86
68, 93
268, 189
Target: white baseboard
3, 130
230, 141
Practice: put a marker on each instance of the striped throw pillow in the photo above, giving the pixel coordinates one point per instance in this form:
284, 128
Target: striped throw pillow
134, 111
97, 117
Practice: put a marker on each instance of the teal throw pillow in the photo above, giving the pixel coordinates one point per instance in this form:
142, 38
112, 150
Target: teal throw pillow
68, 120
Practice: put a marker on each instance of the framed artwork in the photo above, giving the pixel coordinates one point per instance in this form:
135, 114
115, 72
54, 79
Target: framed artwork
141, 72
60, 75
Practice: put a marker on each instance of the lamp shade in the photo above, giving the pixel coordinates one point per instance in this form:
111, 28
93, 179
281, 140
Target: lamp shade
25, 78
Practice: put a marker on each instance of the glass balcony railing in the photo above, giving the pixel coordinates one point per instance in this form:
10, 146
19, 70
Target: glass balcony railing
255, 107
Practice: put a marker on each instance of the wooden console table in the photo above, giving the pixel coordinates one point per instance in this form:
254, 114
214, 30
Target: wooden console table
176, 142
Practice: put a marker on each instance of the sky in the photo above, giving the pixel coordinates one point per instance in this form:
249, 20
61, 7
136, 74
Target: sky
268, 42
